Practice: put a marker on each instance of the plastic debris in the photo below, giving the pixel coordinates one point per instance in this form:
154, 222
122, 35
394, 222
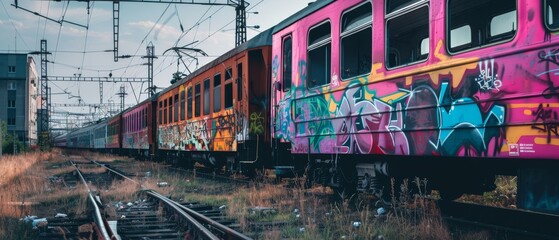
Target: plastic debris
263, 210
35, 221
357, 224
381, 211
301, 229
61, 215
162, 184
222, 207
28, 218
130, 204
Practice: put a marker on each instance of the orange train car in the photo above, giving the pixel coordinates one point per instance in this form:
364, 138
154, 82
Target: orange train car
217, 114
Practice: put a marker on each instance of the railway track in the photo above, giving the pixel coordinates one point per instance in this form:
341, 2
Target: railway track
203, 222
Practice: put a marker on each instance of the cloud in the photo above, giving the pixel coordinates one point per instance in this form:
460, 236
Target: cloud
9, 22
159, 30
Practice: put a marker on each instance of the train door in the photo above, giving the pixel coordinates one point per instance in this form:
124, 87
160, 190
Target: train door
282, 74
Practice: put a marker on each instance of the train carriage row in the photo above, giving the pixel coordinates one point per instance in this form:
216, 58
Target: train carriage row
355, 93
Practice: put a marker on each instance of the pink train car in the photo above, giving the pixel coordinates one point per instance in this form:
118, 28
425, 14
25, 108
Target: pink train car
454, 91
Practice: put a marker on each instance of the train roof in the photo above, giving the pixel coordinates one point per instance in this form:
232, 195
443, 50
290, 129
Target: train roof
260, 40
149, 99
301, 14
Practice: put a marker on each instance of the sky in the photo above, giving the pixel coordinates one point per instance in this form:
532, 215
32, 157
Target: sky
77, 50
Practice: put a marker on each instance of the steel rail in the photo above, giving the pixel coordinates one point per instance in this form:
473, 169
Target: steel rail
191, 215
97, 213
197, 226
229, 232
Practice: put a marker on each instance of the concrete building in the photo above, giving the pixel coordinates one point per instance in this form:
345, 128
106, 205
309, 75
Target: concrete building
18, 96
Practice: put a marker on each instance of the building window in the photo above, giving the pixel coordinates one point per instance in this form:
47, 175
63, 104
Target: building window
189, 106
239, 81
319, 55
12, 86
11, 117
356, 41
228, 95
552, 14
206, 102
407, 34
474, 24
287, 63
217, 92
11, 103
11, 69
182, 105
197, 100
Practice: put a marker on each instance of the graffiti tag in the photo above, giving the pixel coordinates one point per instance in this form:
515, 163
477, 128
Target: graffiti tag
488, 79
546, 121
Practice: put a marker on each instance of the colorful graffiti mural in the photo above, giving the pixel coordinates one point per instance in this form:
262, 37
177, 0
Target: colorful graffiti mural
220, 133
429, 118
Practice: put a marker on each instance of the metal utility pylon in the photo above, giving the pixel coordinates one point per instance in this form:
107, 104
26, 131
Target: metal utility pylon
116, 19
150, 55
122, 93
240, 23
44, 134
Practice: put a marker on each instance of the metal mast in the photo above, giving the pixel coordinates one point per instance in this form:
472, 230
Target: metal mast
44, 135
240, 23
150, 55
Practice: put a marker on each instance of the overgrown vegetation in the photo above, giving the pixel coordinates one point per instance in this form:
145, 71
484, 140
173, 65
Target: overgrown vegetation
10, 143
282, 211
27, 187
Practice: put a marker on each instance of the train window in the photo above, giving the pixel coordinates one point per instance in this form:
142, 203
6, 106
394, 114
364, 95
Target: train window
165, 111
504, 24
170, 101
228, 95
394, 5
206, 102
228, 74
552, 14
460, 37
217, 92
143, 118
176, 108
356, 41
407, 36
160, 117
319, 55
239, 81
474, 24
189, 106
182, 105
287, 63
197, 100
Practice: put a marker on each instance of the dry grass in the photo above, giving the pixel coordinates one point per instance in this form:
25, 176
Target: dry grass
12, 166
25, 189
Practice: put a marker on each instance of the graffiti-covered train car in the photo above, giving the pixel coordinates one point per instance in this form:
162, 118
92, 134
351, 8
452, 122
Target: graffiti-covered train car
137, 129
114, 134
455, 91
216, 115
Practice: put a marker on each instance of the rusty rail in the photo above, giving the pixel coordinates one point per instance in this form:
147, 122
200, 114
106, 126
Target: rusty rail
193, 218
